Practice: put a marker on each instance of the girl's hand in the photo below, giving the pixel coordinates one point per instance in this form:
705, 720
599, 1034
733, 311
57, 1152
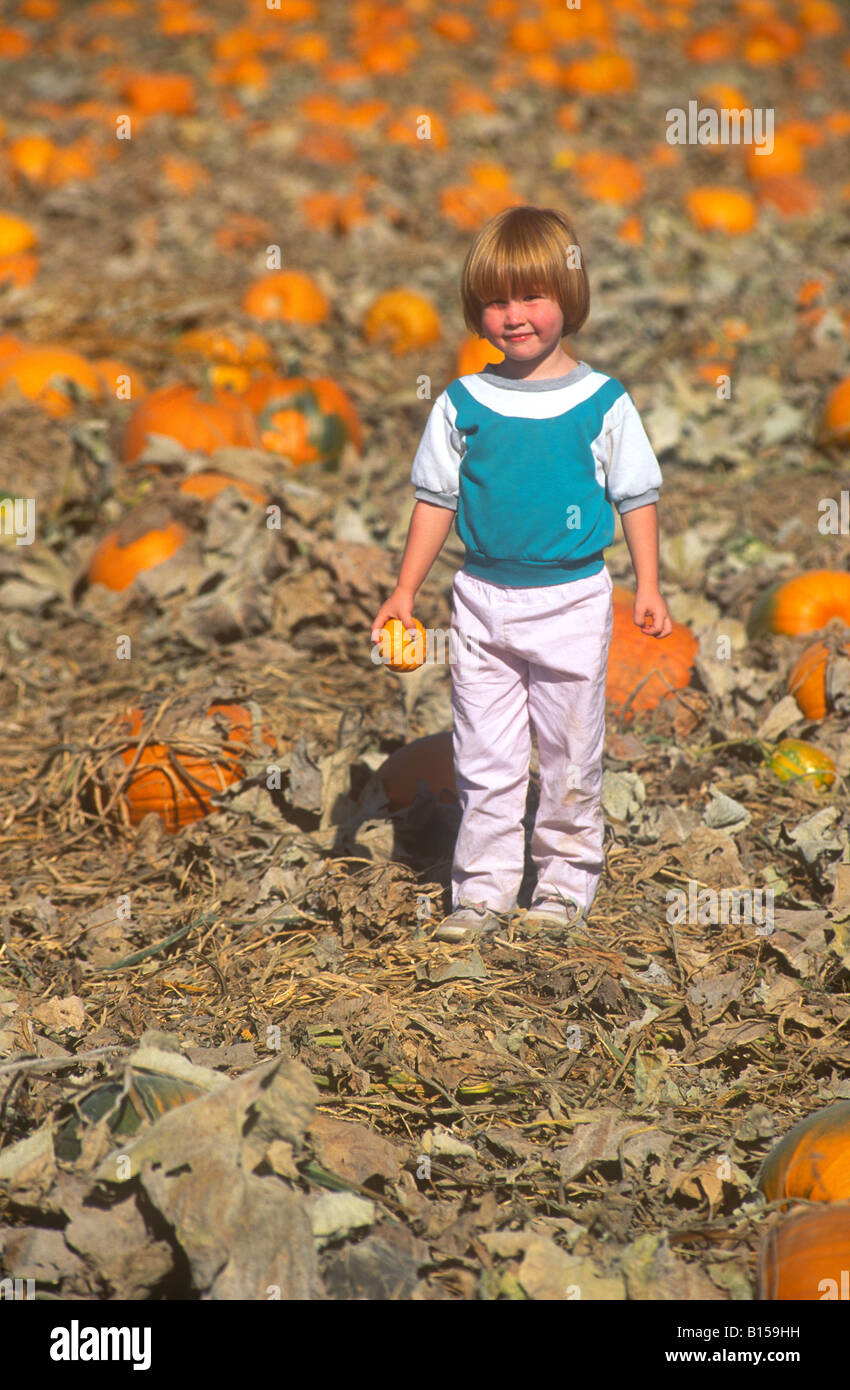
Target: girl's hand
651, 613
398, 605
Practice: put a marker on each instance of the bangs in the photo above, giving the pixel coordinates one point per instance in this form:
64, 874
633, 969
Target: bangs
526, 250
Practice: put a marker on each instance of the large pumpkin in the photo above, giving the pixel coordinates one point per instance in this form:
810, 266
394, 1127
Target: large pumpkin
805, 603
634, 656
181, 412
306, 419
812, 1160
177, 779
806, 1257
429, 760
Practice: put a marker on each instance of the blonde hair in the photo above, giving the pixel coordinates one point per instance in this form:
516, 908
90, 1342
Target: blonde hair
524, 249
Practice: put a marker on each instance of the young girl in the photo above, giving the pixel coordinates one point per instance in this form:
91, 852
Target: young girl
529, 456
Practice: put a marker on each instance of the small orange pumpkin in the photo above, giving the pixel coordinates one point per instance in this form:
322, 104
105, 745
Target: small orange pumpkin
806, 1256
145, 538
35, 369
399, 651
305, 419
182, 413
209, 484
718, 209
110, 369
608, 177
286, 295
429, 760
404, 319
809, 680
15, 234
805, 603
812, 1161
601, 73
474, 354
786, 157
160, 93
634, 656
835, 424
178, 785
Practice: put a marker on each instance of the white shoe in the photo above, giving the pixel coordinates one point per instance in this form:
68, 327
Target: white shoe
553, 912
467, 920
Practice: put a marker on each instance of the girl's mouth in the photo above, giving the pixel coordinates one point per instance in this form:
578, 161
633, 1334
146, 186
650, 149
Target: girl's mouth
517, 337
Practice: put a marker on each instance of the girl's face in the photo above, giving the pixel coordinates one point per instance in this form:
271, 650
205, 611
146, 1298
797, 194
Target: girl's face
523, 328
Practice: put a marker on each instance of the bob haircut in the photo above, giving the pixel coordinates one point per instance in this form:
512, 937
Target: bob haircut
520, 251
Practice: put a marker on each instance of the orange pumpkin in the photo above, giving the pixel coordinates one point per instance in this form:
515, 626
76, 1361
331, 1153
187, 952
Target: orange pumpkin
809, 681
835, 424
487, 192
790, 195
158, 93
208, 485
786, 157
15, 235
404, 319
109, 369
233, 356
712, 45
429, 760
305, 419
144, 539
286, 295
718, 209
182, 413
601, 73
812, 1161
633, 655
610, 178
35, 369
805, 603
178, 785
30, 155
474, 354
20, 269
10, 347
399, 651
806, 1257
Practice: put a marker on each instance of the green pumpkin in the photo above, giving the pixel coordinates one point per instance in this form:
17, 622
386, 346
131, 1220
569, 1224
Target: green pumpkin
794, 760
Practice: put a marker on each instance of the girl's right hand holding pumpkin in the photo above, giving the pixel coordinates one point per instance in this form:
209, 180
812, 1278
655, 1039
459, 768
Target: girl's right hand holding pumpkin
398, 605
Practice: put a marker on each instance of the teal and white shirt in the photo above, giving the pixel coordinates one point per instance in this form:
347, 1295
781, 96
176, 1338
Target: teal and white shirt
532, 468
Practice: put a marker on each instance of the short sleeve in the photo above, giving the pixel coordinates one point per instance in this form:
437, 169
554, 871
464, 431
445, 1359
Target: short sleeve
436, 464
632, 470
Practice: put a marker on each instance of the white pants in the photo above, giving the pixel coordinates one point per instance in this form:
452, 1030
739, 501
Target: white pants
542, 656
